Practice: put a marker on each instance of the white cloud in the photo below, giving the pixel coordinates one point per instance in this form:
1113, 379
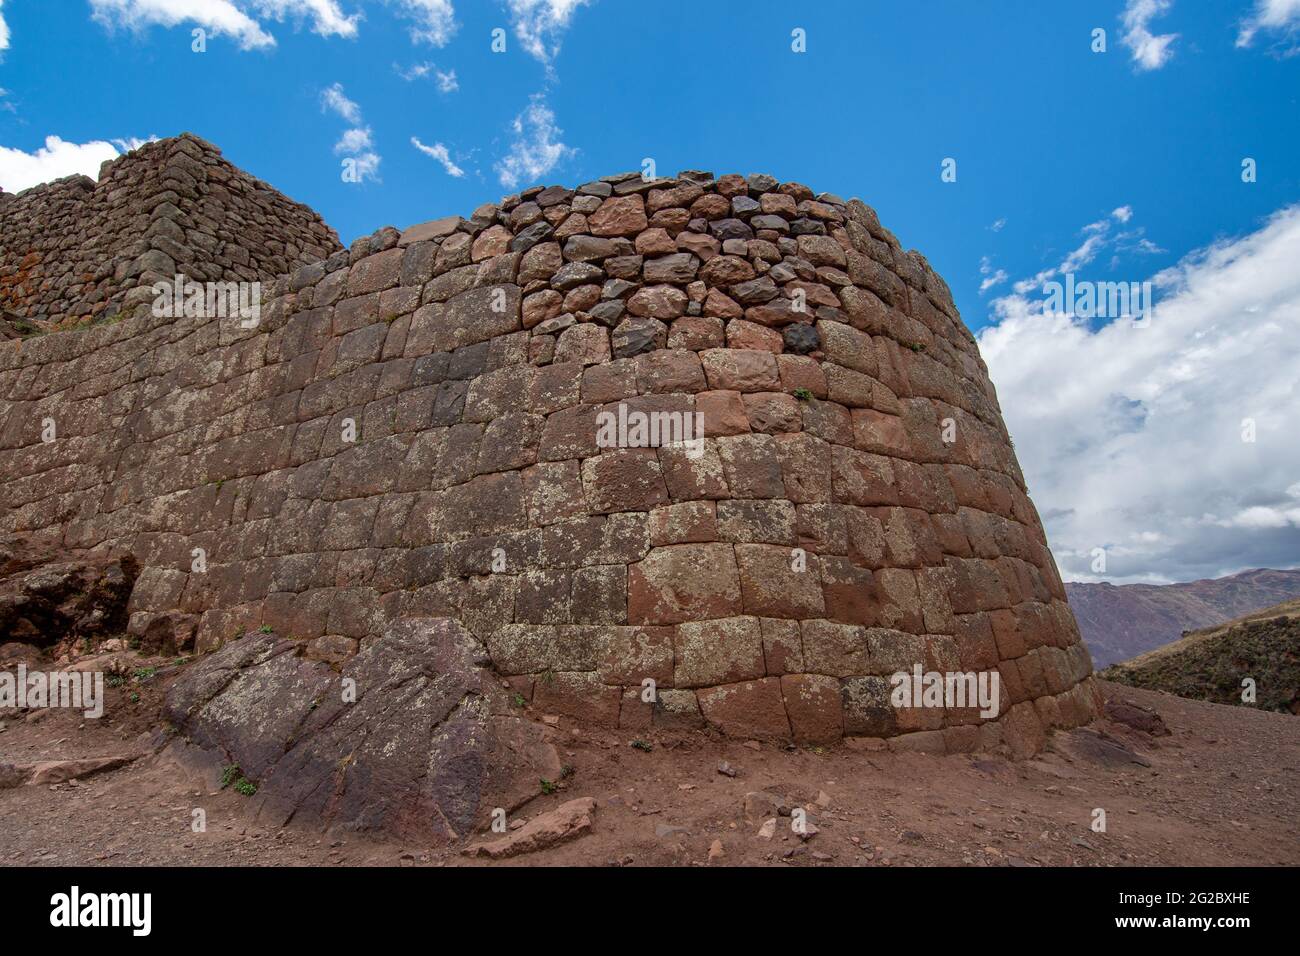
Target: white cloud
447, 82
4, 29
333, 98
327, 18
1130, 437
1279, 16
1086, 252
221, 17
997, 278
434, 21
1099, 237
536, 148
414, 72
56, 159
1150, 51
997, 226
356, 142
366, 166
439, 152
132, 142
539, 24
992, 276
235, 18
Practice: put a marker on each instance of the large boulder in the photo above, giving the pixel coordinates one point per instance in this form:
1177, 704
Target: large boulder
413, 736
46, 598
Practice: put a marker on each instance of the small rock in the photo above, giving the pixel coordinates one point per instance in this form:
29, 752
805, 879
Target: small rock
762, 803
664, 830
566, 822
635, 336
801, 339
1139, 718
59, 771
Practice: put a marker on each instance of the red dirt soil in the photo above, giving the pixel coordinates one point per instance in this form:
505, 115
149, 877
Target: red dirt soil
1222, 790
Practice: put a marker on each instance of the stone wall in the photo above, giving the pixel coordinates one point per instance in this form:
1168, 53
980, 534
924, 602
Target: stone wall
73, 250
412, 431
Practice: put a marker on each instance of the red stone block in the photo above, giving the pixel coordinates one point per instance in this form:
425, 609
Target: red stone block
813, 704
773, 412
625, 479
752, 468
685, 582
743, 370
686, 523
750, 709
724, 413
723, 651
881, 434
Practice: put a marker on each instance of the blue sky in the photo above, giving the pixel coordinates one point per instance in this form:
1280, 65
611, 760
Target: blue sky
1122, 165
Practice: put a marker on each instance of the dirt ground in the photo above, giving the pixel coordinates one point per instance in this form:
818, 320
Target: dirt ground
1222, 790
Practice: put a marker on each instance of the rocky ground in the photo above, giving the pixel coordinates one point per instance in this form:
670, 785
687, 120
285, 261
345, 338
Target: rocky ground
1221, 788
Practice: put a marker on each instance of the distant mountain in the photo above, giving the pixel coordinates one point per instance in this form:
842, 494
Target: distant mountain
1122, 621
1211, 663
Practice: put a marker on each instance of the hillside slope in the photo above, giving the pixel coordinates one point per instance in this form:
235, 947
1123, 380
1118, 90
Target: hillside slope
1119, 622
1210, 664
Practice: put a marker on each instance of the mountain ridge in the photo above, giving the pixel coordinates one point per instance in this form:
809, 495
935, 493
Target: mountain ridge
1122, 621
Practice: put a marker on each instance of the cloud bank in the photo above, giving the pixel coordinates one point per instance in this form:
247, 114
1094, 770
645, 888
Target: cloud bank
58, 158
1135, 438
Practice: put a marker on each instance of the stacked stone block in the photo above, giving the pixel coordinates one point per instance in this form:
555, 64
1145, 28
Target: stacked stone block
411, 431
76, 250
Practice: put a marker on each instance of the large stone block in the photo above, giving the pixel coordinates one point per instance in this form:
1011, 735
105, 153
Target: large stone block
721, 651
685, 582
749, 709
777, 581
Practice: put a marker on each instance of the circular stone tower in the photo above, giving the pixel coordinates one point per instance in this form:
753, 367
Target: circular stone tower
805, 482
681, 453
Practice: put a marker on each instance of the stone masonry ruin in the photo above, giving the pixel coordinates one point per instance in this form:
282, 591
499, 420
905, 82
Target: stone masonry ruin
76, 250
410, 431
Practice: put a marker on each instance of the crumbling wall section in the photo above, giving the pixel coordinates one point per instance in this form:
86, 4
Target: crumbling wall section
76, 250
